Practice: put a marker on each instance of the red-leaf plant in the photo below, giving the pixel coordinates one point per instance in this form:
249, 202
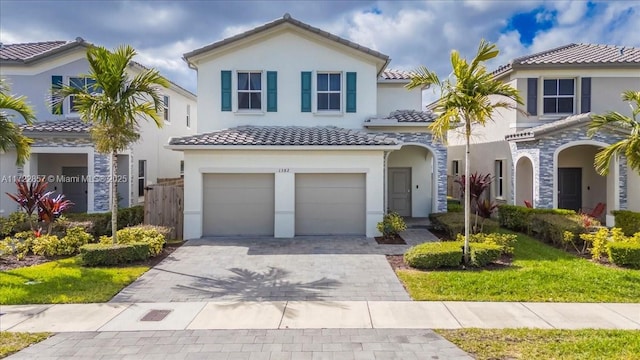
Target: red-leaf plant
478, 184
49, 209
32, 197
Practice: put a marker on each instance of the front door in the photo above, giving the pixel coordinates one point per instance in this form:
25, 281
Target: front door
400, 191
570, 188
75, 189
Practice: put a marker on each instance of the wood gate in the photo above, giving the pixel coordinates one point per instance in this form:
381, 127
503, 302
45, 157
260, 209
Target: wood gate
164, 206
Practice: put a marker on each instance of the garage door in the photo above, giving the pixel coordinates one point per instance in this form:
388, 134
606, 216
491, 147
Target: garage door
330, 204
238, 204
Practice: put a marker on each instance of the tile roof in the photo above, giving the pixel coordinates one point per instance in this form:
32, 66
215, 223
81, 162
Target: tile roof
25, 51
534, 132
58, 126
286, 136
391, 74
577, 54
286, 18
412, 116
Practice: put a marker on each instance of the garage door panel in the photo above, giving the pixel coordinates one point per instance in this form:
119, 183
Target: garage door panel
238, 204
330, 204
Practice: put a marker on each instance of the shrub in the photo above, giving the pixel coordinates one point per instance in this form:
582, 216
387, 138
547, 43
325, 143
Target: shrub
101, 222
517, 218
16, 222
624, 254
454, 207
105, 255
551, 227
434, 255
453, 223
504, 241
391, 225
46, 245
628, 221
152, 235
598, 241
483, 254
19, 247
52, 245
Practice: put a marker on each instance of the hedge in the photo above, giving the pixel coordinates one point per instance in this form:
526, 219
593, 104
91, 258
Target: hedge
101, 222
551, 227
628, 221
152, 235
517, 218
482, 254
107, 255
453, 223
624, 254
434, 255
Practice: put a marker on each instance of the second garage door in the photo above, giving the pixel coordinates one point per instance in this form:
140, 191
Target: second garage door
330, 204
238, 204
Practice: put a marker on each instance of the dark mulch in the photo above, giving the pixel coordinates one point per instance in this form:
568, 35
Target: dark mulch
397, 240
10, 262
397, 263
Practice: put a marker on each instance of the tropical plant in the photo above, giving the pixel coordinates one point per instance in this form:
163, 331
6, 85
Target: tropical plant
10, 133
28, 196
49, 209
467, 99
629, 147
113, 104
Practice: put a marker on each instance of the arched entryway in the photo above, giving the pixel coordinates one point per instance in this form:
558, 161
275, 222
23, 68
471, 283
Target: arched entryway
524, 181
411, 181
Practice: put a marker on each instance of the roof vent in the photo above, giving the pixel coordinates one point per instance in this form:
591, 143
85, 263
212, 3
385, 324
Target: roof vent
286, 16
1, 45
79, 39
622, 50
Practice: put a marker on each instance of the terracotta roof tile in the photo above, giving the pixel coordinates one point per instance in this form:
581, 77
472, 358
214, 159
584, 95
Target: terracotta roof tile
286, 136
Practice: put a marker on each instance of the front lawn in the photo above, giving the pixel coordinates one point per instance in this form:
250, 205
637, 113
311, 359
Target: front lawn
538, 273
12, 342
64, 281
546, 344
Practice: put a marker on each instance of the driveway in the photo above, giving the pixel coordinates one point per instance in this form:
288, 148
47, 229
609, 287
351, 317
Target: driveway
256, 269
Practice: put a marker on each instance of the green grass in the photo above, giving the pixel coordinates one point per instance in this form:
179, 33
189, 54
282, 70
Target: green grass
11, 342
529, 344
539, 273
64, 281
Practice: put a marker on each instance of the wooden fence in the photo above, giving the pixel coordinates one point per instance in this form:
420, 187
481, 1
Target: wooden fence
164, 206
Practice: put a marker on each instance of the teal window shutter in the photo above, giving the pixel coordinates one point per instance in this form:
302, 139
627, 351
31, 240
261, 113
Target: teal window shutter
305, 91
351, 92
225, 81
56, 103
272, 91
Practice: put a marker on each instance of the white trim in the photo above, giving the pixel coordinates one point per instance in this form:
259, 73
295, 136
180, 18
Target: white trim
314, 93
284, 147
234, 93
380, 123
558, 96
273, 170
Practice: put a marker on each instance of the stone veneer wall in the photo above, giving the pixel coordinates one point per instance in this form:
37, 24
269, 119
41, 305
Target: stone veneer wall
541, 152
439, 151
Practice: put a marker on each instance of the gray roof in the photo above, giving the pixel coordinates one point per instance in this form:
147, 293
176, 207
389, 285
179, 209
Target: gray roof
58, 126
286, 19
391, 74
577, 55
534, 132
412, 116
28, 51
286, 136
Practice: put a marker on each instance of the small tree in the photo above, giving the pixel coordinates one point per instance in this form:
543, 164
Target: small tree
465, 99
10, 133
114, 103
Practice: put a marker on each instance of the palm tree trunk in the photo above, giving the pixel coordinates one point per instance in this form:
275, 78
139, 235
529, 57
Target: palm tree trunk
467, 195
114, 197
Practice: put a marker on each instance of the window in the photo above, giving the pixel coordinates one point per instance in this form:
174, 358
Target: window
249, 90
188, 115
142, 176
499, 179
165, 108
455, 168
80, 83
559, 96
181, 167
329, 92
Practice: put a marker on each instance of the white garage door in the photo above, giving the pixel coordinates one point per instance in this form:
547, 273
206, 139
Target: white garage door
330, 204
238, 204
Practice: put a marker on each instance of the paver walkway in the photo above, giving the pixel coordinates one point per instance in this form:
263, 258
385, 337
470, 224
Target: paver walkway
266, 269
306, 344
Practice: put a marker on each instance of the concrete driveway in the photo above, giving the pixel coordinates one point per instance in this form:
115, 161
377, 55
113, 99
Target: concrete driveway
257, 269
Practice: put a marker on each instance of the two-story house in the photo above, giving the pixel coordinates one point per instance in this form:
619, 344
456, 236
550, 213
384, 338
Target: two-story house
63, 151
542, 154
298, 135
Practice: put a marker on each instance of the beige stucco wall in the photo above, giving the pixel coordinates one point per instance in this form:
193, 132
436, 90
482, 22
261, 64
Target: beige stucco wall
394, 96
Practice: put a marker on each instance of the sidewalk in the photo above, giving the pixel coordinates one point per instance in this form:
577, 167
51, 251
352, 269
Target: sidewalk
113, 317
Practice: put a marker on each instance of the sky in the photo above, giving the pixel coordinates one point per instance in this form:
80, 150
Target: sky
412, 33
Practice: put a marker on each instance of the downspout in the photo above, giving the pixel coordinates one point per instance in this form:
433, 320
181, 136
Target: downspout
384, 181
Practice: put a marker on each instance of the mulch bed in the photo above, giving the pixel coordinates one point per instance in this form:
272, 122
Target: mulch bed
397, 240
397, 263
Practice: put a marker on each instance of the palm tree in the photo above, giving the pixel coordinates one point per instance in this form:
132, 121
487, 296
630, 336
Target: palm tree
10, 133
113, 103
466, 98
630, 146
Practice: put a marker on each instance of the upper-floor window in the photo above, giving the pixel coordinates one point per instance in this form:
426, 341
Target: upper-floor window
165, 108
249, 90
188, 115
80, 83
559, 96
329, 91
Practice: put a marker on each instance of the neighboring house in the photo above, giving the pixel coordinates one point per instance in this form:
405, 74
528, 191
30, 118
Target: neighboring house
543, 154
63, 150
296, 136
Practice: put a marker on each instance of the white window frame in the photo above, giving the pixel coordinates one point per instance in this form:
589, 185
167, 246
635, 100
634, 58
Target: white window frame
142, 164
498, 179
188, 116
558, 96
166, 103
455, 168
315, 92
234, 87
